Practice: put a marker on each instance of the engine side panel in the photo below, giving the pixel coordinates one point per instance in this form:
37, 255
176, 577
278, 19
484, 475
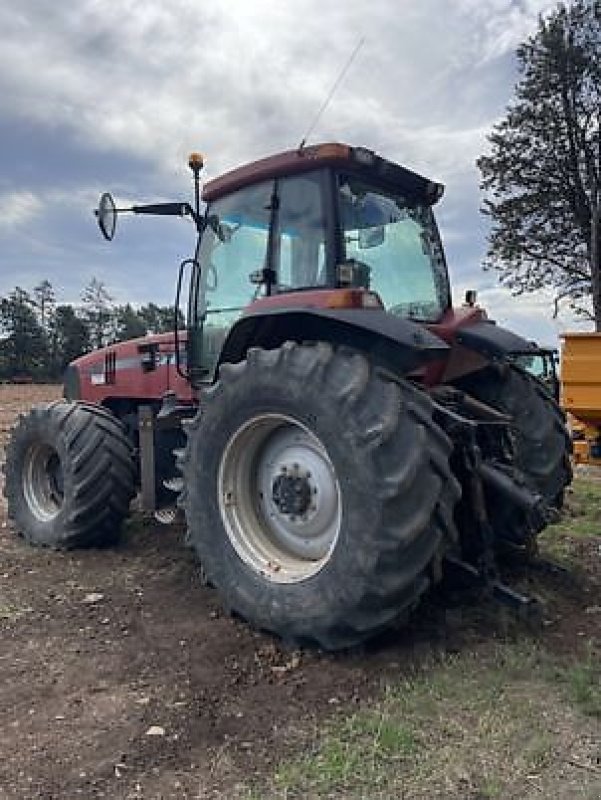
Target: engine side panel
139, 370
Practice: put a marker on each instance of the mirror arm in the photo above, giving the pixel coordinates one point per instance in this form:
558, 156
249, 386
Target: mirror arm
171, 209
165, 209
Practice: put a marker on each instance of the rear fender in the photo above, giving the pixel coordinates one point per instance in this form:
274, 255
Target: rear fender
492, 341
390, 342
476, 343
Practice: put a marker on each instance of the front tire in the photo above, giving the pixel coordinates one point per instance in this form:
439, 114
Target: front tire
318, 493
69, 476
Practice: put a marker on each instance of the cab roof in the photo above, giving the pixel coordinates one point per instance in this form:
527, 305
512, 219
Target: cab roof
358, 160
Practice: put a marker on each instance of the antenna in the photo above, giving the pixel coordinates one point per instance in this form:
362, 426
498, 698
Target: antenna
332, 91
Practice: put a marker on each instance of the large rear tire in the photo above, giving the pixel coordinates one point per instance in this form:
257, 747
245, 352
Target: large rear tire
541, 440
318, 493
69, 476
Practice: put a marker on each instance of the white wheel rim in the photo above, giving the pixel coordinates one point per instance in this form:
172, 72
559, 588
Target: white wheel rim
279, 498
43, 481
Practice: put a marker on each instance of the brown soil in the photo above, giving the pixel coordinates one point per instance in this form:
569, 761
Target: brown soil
99, 646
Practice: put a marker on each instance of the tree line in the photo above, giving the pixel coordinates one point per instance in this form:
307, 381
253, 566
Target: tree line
39, 336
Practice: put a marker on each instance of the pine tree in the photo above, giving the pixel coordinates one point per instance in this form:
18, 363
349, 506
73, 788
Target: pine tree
159, 319
70, 337
44, 300
23, 344
128, 323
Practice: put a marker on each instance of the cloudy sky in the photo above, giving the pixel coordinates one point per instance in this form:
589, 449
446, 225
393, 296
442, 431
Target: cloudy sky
100, 96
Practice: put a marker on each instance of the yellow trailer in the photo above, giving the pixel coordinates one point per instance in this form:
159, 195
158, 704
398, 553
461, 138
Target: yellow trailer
581, 393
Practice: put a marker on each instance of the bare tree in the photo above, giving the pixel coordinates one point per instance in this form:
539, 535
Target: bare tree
97, 312
542, 175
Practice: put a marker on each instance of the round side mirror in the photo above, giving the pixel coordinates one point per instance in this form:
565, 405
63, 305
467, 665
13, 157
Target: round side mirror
107, 216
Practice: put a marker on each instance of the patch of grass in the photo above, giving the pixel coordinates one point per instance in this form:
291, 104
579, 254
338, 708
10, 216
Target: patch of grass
10, 612
582, 682
480, 724
581, 518
356, 751
491, 788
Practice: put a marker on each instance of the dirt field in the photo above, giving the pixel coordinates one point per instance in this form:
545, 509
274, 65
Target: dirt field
122, 679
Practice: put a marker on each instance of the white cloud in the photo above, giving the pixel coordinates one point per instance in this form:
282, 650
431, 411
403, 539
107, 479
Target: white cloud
500, 25
18, 209
242, 78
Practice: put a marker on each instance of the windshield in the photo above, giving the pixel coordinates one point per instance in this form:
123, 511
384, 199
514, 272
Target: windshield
397, 241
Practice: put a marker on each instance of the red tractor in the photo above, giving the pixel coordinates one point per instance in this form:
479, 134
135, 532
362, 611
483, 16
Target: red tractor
333, 429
